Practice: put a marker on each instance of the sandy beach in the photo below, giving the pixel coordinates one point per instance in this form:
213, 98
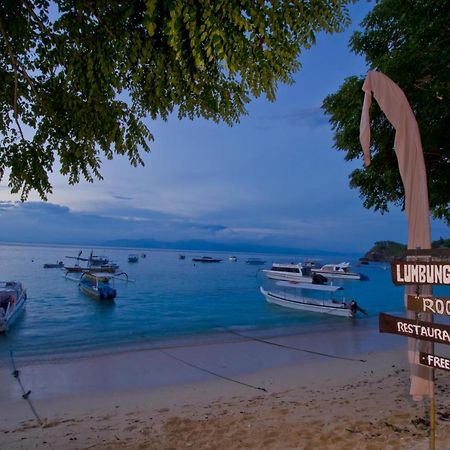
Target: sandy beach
232, 395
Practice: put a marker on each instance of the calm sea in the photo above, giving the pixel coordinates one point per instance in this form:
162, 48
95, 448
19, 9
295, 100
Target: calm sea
169, 300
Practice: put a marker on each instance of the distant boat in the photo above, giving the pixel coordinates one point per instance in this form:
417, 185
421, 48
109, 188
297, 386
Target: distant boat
340, 270
12, 302
57, 265
180, 256
255, 261
313, 298
206, 259
143, 255
133, 258
300, 273
232, 258
93, 263
96, 285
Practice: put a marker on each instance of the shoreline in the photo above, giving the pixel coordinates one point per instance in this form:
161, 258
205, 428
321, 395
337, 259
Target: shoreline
320, 403
335, 390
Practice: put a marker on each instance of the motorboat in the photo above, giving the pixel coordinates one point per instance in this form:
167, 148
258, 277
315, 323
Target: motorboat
206, 259
313, 298
133, 258
58, 265
181, 256
97, 285
12, 302
232, 258
299, 273
340, 270
255, 261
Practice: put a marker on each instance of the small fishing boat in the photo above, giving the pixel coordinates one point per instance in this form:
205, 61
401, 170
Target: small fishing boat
206, 259
299, 273
312, 298
57, 265
180, 256
232, 258
255, 261
340, 270
12, 302
97, 285
133, 258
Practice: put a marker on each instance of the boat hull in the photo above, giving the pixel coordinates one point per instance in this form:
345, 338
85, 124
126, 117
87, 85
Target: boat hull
13, 312
342, 276
287, 276
308, 304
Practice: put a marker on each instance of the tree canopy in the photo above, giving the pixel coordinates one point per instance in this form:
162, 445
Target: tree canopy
82, 79
409, 41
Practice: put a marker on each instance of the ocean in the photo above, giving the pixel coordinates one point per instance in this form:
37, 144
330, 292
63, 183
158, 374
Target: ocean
167, 302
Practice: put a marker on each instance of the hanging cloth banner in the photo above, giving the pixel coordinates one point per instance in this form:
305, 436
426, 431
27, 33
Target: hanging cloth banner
408, 148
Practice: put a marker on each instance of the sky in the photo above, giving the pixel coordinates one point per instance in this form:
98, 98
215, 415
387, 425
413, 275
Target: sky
274, 179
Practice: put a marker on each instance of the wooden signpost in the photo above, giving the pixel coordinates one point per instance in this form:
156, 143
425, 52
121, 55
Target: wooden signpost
408, 272
423, 268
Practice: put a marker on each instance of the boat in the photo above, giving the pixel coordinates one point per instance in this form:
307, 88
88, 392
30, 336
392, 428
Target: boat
133, 258
313, 298
180, 256
340, 270
206, 259
143, 255
232, 258
96, 285
57, 265
12, 302
93, 263
299, 273
255, 261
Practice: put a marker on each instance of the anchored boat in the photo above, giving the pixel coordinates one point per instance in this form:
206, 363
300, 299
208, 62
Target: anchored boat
97, 285
313, 298
12, 302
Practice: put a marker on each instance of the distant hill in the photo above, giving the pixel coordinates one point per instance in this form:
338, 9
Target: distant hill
387, 250
200, 245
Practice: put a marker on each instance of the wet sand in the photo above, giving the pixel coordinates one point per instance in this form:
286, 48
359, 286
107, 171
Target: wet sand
344, 390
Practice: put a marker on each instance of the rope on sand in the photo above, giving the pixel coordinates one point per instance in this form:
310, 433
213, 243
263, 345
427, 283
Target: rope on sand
211, 372
264, 341
25, 394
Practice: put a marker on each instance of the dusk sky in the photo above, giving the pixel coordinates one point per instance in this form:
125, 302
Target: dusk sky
274, 179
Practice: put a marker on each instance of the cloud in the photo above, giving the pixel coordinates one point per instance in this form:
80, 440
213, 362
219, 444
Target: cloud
311, 117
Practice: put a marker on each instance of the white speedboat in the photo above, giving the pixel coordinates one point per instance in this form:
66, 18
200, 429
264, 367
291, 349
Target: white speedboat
298, 273
340, 270
313, 298
12, 302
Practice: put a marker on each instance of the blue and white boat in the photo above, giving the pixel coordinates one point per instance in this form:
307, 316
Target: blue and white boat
12, 302
310, 297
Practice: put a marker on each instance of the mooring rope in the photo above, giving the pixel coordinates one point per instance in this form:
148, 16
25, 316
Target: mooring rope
25, 394
211, 372
276, 344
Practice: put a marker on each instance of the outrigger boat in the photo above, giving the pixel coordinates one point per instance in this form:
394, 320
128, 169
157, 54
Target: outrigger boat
313, 298
94, 263
97, 285
12, 302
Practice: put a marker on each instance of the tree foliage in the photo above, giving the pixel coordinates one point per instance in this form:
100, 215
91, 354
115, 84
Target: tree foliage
408, 40
81, 79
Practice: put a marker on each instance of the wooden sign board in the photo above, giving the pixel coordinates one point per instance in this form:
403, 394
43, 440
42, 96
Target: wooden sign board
417, 329
410, 272
438, 362
428, 304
